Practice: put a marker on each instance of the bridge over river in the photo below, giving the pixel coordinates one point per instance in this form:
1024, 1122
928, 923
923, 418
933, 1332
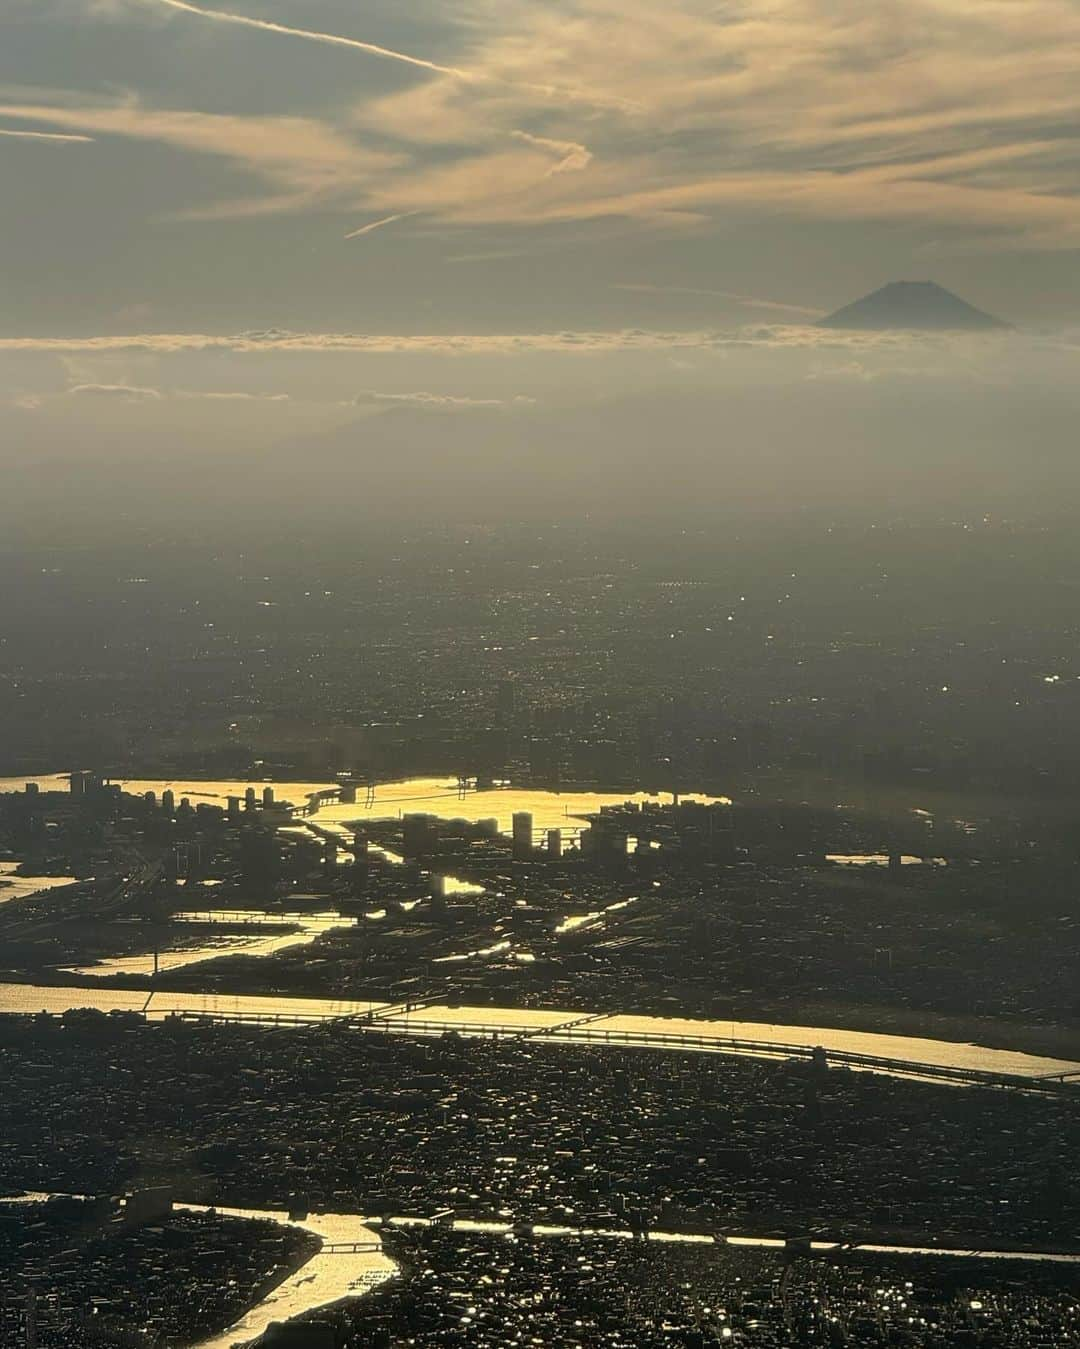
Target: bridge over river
942, 1061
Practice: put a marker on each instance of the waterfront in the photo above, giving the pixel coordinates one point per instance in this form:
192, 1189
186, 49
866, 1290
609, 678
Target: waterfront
263, 940
440, 797
13, 886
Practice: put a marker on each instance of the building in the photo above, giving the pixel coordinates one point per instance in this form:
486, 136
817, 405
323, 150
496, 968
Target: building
523, 836
419, 836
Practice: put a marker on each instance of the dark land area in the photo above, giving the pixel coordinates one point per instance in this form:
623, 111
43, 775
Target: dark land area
350, 1121
504, 1290
94, 1277
886, 718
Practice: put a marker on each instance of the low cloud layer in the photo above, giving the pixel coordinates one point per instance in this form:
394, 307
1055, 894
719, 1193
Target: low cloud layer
627, 339
128, 393
437, 402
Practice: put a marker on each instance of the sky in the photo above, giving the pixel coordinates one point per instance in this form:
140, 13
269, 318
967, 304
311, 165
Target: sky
268, 220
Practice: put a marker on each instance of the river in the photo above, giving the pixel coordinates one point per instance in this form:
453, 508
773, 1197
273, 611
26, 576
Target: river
328, 1277
714, 1036
332, 1275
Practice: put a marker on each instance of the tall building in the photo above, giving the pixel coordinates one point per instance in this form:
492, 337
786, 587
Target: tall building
523, 836
260, 862
418, 836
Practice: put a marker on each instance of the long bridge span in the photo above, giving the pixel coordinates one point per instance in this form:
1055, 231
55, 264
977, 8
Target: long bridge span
586, 1031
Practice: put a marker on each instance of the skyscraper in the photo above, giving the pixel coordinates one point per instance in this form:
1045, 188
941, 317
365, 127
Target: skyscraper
523, 836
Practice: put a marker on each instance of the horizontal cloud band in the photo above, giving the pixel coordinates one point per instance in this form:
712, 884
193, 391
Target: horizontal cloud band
632, 339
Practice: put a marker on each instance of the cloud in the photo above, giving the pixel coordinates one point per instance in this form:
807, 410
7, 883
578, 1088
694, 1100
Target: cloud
53, 136
570, 157
378, 224
310, 35
127, 393
272, 340
280, 340
438, 402
950, 113
306, 163
229, 396
138, 393
947, 115
568, 91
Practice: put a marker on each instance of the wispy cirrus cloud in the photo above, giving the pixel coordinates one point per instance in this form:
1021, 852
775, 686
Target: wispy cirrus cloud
374, 225
304, 162
47, 136
311, 35
569, 155
952, 114
571, 90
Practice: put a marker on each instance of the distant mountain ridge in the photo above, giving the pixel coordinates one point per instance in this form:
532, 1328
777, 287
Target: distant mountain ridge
919, 305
